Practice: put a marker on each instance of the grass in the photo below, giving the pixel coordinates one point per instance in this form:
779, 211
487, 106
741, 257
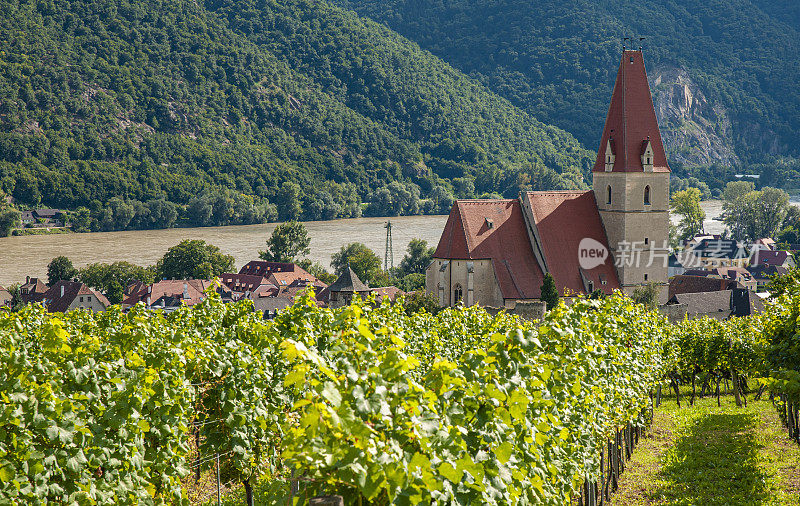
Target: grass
709, 455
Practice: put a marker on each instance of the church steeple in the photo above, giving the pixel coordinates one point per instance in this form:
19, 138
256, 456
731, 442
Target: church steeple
631, 139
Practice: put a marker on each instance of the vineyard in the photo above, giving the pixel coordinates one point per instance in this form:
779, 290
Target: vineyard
366, 402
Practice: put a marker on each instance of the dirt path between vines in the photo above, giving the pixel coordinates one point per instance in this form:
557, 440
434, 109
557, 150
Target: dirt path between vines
707, 455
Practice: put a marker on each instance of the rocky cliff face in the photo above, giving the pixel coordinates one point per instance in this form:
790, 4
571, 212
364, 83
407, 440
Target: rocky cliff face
695, 131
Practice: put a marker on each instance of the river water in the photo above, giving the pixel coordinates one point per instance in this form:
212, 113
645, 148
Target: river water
29, 255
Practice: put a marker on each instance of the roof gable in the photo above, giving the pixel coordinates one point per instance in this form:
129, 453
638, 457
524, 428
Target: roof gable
563, 220
631, 123
494, 230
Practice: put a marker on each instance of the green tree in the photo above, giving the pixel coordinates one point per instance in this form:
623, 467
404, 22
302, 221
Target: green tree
9, 220
81, 220
364, 262
418, 257
288, 201
60, 268
754, 214
420, 301
193, 259
549, 291
288, 242
686, 203
647, 295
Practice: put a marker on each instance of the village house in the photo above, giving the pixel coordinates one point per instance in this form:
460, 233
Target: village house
763, 273
738, 274
32, 291
770, 257
710, 253
5, 298
168, 294
65, 296
696, 284
719, 305
348, 286
497, 252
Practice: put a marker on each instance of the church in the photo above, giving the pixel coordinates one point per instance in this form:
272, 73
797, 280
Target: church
613, 237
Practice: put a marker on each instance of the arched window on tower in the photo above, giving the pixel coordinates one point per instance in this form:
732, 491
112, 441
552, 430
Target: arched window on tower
458, 294
647, 195
608, 197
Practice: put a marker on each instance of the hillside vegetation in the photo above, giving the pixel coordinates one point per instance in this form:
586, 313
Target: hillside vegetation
557, 60
232, 108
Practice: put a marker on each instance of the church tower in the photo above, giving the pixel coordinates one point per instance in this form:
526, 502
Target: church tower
631, 180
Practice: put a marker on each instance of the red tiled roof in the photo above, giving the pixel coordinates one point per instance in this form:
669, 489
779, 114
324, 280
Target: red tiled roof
195, 290
392, 292
631, 120
279, 273
495, 230
243, 282
563, 220
768, 257
58, 303
695, 284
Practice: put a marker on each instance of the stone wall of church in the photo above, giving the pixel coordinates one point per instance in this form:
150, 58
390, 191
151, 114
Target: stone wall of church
637, 232
473, 281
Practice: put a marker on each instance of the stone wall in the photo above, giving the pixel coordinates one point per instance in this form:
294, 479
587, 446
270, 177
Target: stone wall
528, 309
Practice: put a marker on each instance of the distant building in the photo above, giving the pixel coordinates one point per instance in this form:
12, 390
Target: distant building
675, 267
341, 292
694, 284
32, 291
762, 274
719, 305
497, 252
769, 257
348, 286
5, 298
713, 253
278, 273
66, 296
169, 294
739, 274
765, 243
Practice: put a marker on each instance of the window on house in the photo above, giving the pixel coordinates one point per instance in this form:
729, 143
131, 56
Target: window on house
646, 241
648, 160
608, 197
591, 286
647, 195
81, 299
458, 294
645, 277
631, 59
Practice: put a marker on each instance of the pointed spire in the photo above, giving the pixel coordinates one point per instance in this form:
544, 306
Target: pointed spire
631, 132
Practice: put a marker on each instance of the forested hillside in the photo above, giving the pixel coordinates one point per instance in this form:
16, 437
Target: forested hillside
232, 111
724, 72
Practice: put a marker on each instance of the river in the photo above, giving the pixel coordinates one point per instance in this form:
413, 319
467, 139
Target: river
29, 255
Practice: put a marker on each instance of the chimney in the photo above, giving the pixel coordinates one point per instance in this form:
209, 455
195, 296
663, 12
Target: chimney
27, 279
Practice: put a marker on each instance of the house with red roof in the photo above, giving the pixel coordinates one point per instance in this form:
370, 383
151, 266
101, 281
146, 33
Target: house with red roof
613, 237
66, 296
168, 294
769, 257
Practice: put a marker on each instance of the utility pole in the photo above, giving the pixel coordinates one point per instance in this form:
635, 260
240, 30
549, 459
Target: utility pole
388, 257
